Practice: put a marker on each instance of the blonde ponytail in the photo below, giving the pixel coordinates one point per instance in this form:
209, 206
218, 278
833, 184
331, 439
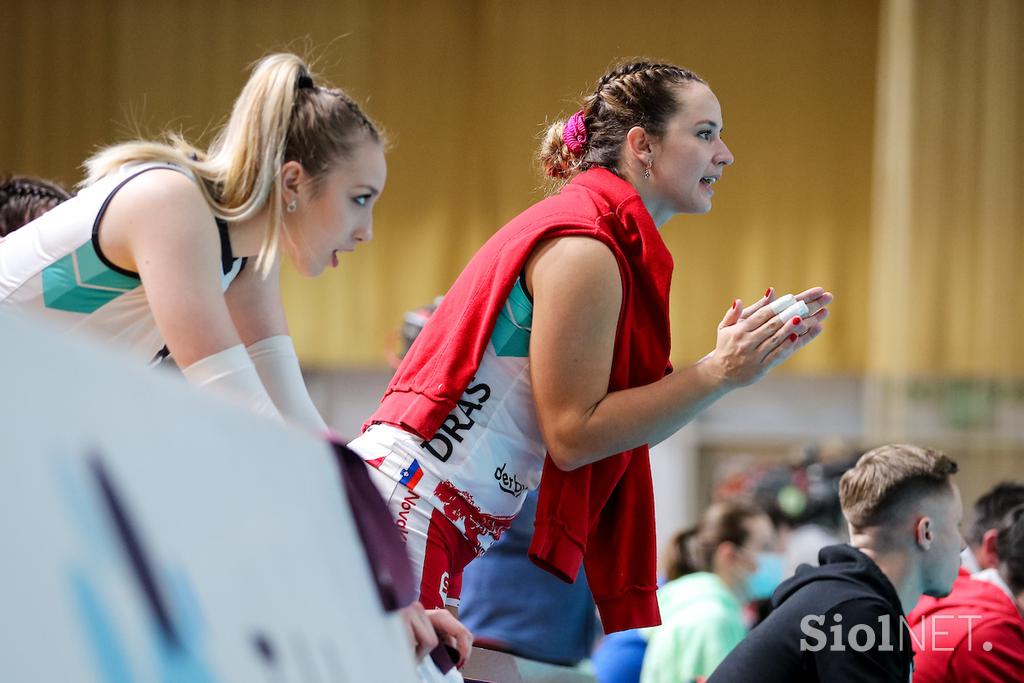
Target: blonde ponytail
273, 120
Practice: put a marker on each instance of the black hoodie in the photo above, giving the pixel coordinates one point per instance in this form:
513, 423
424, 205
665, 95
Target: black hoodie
801, 640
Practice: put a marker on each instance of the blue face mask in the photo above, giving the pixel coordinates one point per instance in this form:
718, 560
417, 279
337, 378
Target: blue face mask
762, 583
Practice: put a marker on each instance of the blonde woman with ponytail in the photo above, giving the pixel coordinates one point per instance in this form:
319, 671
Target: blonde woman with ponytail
170, 249
167, 248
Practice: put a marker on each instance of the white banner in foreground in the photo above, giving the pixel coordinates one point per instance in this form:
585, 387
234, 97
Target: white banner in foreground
153, 534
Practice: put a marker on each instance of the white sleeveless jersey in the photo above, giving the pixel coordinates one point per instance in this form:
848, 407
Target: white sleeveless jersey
488, 452
53, 267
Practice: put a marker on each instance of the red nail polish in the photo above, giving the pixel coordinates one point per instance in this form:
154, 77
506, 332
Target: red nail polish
793, 337
797, 320
734, 302
767, 292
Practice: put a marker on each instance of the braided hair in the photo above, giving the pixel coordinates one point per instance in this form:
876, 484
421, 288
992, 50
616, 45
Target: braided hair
637, 93
24, 199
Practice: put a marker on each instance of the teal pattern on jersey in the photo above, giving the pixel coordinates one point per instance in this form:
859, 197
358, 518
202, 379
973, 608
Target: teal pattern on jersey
511, 335
81, 283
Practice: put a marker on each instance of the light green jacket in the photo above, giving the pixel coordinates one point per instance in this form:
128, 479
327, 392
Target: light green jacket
701, 624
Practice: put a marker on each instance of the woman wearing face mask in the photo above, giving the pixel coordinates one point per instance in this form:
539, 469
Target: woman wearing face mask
713, 569
167, 248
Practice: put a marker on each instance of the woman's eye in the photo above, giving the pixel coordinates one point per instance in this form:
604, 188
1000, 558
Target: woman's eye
362, 199
705, 134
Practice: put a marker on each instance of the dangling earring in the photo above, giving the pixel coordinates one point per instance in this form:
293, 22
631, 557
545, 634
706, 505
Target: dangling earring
647, 171
292, 205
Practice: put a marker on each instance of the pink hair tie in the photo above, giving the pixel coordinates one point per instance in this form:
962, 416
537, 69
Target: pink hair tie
574, 133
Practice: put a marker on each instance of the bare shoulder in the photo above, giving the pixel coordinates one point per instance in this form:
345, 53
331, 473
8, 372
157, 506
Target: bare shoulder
159, 209
162, 195
575, 261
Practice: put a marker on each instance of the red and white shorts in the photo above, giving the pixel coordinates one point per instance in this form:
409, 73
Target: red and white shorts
436, 548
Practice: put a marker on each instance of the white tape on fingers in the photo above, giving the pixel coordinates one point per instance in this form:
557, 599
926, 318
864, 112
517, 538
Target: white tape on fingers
782, 303
798, 308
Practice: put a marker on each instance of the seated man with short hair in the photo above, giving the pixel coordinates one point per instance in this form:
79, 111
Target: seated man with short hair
843, 620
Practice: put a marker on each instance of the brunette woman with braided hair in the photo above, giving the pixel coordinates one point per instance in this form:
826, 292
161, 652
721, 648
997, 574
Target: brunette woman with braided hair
24, 199
554, 341
151, 254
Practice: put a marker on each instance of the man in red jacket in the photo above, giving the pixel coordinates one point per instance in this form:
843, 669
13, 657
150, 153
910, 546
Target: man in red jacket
976, 633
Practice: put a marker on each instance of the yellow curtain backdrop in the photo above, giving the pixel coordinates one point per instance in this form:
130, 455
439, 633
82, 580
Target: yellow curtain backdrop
463, 89
948, 220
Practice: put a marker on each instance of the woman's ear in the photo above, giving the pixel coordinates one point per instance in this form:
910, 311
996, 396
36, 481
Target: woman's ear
292, 175
640, 146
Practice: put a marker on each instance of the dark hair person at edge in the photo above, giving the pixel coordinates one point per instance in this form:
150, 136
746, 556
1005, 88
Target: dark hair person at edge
24, 199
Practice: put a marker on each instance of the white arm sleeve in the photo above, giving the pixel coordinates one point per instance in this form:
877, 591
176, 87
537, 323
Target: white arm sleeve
278, 368
231, 373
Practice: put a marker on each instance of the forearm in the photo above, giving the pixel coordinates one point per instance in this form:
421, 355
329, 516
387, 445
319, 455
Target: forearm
625, 419
231, 374
578, 296
279, 371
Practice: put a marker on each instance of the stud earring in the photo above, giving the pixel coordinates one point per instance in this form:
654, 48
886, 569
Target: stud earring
292, 205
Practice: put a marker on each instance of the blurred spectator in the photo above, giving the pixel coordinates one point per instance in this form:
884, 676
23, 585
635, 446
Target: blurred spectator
904, 511
976, 633
412, 323
988, 511
24, 199
716, 567
620, 656
802, 500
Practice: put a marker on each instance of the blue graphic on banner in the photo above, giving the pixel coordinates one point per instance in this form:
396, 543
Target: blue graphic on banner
174, 648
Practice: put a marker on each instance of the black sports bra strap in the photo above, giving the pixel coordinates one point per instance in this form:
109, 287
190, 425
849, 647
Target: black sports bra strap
522, 283
227, 257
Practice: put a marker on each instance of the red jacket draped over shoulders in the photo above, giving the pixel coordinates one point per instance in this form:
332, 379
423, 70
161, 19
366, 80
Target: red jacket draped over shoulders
600, 515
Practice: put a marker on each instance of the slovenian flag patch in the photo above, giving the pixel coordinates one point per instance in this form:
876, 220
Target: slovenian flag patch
411, 475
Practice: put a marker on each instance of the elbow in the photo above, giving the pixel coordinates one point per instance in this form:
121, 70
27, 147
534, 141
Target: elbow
570, 440
566, 455
566, 462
